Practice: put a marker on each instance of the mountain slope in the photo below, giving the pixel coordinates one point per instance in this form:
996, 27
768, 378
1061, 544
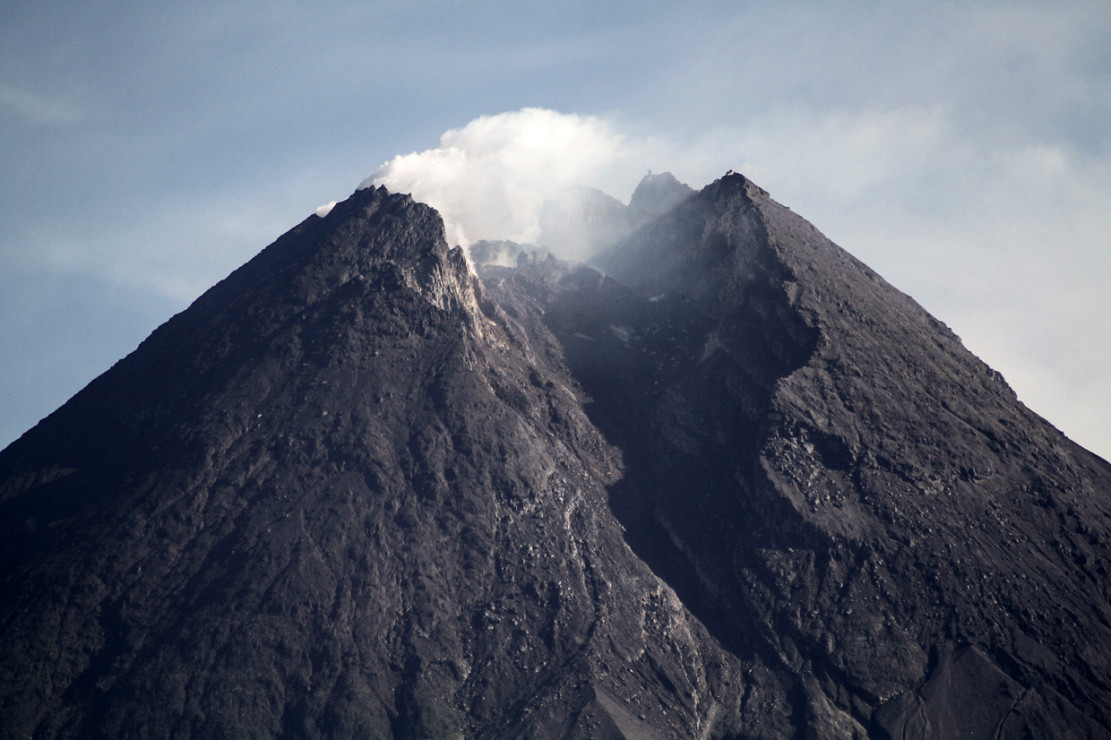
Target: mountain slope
835, 485
337, 497
737, 486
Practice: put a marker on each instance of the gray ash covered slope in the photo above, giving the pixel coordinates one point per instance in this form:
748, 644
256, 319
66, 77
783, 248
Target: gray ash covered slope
738, 487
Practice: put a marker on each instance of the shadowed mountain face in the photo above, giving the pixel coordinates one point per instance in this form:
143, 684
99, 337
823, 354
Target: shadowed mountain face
732, 484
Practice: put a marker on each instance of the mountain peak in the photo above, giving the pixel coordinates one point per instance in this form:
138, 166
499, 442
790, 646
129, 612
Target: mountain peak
839, 422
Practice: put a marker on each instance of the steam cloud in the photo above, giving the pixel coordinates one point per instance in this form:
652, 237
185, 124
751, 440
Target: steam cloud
495, 177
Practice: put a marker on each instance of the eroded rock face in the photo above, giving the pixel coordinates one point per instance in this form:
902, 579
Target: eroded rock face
736, 487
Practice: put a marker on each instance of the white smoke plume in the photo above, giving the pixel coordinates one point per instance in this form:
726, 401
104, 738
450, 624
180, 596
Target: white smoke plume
495, 177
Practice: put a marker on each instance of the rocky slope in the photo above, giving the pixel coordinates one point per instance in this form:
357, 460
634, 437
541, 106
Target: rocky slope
341, 495
736, 487
833, 484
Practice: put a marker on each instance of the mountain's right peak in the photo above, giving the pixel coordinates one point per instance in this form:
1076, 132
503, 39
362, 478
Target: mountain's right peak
733, 182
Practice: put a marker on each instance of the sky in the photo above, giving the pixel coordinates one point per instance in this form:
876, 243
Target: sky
962, 150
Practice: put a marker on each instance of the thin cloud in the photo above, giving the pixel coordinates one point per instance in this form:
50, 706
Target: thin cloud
39, 108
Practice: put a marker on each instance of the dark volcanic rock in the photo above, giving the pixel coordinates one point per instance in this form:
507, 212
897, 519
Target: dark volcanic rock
835, 485
738, 487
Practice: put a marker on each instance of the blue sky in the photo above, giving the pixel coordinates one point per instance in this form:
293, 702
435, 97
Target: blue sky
960, 149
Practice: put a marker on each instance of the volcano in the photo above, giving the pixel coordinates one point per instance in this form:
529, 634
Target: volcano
724, 481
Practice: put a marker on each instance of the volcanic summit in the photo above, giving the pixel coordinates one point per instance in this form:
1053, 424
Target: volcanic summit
723, 481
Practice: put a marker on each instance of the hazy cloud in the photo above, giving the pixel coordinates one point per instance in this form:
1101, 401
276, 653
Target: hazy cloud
39, 108
492, 178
